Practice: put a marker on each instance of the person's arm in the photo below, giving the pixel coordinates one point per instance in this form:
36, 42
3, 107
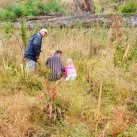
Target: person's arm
37, 45
47, 61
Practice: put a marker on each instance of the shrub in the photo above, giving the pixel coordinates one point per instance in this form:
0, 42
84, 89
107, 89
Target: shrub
31, 9
118, 56
53, 6
114, 1
44, 71
6, 14
125, 56
31, 83
18, 11
130, 7
54, 107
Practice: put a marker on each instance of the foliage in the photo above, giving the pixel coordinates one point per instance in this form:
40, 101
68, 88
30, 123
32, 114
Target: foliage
130, 7
114, 1
54, 106
118, 56
85, 107
31, 8
28, 80
44, 71
21, 79
81, 130
125, 55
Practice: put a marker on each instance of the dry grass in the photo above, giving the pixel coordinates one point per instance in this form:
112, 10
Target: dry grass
5, 3
15, 119
80, 97
21, 111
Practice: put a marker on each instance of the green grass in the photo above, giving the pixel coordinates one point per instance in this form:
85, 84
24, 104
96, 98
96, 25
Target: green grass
31, 8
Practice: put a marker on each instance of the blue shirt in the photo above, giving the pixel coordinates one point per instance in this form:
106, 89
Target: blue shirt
33, 49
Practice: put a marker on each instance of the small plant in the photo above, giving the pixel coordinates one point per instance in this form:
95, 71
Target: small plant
54, 106
53, 6
120, 122
31, 8
28, 80
43, 71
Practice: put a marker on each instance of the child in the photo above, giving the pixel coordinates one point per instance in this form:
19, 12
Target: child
51, 53
70, 72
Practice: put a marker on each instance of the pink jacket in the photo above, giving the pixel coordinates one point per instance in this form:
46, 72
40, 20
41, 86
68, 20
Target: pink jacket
70, 69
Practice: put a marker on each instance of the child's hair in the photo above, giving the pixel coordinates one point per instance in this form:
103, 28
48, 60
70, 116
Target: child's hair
69, 61
52, 53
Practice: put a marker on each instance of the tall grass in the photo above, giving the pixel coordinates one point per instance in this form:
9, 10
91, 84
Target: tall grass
22, 101
5, 3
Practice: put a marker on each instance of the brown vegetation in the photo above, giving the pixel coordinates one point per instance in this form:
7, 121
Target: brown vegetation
101, 102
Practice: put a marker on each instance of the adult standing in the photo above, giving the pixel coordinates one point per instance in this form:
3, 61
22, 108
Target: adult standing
55, 64
33, 49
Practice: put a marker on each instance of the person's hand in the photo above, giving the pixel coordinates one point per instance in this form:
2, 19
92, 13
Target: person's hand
37, 57
38, 63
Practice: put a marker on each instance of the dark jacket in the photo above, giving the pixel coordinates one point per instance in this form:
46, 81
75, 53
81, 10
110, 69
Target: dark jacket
56, 65
34, 47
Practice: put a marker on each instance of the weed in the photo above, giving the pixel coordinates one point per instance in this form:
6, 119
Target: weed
130, 7
54, 106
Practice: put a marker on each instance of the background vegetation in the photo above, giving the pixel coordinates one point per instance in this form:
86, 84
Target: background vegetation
102, 102
130, 7
33, 8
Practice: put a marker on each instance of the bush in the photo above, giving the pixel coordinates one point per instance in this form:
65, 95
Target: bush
18, 11
130, 7
31, 9
6, 14
113, 1
24, 78
53, 6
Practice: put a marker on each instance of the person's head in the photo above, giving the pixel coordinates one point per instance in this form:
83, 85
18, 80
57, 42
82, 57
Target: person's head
69, 61
43, 32
52, 53
58, 52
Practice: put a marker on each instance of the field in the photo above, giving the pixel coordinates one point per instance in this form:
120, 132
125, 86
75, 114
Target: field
102, 102
11, 10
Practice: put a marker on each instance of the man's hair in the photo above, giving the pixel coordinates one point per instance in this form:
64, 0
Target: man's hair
58, 51
43, 30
